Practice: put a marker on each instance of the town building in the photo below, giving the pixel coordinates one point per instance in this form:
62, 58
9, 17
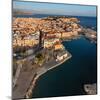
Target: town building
61, 56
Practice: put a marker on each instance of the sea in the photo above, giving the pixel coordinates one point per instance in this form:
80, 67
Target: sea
68, 79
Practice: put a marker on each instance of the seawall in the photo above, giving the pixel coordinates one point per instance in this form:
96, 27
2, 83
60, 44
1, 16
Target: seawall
33, 83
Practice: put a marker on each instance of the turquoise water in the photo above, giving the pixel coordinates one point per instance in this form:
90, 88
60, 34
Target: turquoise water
68, 79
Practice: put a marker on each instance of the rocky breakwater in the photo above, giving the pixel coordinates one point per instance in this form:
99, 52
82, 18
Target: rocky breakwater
90, 34
90, 89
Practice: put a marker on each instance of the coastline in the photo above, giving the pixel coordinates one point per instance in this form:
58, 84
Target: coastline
40, 72
32, 85
31, 82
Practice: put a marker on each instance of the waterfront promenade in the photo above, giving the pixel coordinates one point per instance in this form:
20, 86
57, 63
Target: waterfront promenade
28, 77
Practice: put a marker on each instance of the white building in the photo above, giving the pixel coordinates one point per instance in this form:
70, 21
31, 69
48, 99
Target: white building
61, 56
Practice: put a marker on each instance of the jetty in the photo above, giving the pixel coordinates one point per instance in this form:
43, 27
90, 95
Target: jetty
26, 81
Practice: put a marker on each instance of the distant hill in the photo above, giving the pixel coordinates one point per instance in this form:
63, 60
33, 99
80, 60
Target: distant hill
21, 12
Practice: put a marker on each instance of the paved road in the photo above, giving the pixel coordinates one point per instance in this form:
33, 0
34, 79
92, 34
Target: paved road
23, 83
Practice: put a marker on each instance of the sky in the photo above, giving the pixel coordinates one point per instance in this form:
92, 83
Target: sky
54, 8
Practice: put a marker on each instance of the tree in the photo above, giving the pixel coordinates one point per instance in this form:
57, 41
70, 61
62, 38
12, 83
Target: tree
39, 59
